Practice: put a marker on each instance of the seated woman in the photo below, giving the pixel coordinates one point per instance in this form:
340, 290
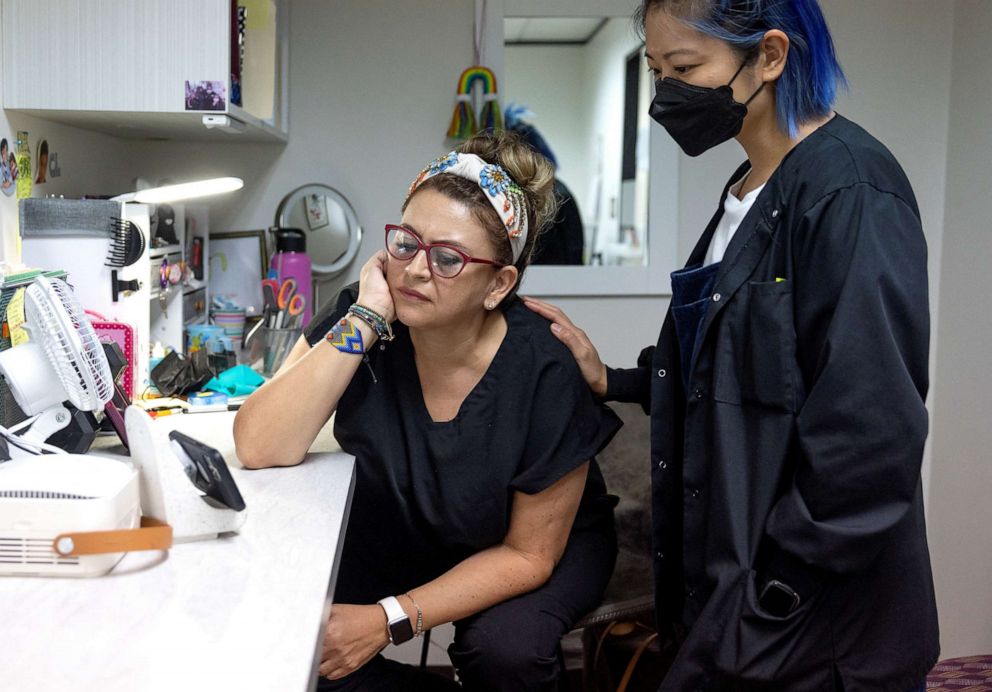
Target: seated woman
477, 499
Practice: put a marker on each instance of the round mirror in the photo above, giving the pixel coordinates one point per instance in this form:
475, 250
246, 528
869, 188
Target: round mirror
329, 222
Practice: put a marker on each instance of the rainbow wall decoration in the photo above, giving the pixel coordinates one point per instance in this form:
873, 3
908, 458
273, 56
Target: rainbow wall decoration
463, 121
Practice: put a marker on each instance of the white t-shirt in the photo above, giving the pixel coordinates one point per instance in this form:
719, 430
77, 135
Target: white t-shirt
734, 211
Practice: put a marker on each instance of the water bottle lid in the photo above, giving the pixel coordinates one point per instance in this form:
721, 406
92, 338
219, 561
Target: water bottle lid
290, 240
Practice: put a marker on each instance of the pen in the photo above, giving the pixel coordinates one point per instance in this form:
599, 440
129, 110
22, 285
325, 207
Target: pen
212, 408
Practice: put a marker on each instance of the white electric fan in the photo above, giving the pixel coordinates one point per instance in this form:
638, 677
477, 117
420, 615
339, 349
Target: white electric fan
63, 514
63, 361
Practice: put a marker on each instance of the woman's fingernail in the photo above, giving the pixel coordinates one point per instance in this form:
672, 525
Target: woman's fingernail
556, 328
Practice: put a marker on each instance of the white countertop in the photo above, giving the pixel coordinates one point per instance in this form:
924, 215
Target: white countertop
243, 612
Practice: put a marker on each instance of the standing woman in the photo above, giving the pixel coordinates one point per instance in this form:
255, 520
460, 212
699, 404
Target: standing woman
786, 390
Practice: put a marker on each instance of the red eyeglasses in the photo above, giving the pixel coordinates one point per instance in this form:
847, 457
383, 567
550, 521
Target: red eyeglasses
443, 260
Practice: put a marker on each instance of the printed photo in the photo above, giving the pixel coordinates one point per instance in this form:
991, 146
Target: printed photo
8, 168
316, 211
42, 162
205, 96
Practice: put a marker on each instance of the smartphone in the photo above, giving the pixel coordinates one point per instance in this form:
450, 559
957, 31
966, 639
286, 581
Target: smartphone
208, 471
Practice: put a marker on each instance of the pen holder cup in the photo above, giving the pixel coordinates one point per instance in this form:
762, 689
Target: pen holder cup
272, 346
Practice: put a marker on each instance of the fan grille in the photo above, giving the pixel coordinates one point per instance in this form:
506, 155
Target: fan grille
31, 551
58, 321
42, 495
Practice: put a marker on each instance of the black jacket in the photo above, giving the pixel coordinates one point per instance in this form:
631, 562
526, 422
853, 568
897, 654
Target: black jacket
795, 455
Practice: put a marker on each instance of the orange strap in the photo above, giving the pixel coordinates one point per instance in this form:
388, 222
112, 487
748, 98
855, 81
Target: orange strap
627, 674
153, 535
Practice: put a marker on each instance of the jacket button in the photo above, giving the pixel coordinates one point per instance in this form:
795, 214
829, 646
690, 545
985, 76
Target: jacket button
698, 393
660, 555
662, 372
694, 492
717, 297
691, 593
662, 464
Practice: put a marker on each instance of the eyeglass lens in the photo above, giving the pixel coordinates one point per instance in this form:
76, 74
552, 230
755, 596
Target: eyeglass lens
444, 261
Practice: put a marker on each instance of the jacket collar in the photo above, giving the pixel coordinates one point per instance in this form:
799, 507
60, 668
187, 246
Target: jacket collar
756, 231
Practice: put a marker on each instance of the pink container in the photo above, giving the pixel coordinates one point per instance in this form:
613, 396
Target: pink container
291, 260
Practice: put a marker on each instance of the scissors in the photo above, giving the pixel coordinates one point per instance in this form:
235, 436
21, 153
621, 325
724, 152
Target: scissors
286, 293
295, 308
291, 304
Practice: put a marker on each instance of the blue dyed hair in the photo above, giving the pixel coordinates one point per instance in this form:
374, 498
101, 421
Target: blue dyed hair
515, 118
807, 87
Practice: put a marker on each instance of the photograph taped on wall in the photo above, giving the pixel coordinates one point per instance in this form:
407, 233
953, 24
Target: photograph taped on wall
316, 208
205, 96
238, 263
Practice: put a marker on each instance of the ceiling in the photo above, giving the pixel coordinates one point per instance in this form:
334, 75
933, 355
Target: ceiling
539, 30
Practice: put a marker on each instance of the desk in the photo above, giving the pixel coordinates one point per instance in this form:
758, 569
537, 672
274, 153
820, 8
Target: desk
244, 612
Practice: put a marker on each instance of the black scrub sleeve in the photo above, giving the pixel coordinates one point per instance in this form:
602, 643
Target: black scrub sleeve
567, 427
631, 385
329, 313
862, 327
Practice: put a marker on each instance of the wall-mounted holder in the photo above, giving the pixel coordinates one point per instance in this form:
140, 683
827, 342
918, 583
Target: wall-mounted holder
167, 492
119, 286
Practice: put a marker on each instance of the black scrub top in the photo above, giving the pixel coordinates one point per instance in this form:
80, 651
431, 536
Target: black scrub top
430, 494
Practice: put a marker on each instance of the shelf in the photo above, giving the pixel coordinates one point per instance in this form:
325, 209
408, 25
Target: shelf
165, 250
160, 126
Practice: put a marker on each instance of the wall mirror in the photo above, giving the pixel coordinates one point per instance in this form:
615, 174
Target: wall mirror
329, 222
577, 71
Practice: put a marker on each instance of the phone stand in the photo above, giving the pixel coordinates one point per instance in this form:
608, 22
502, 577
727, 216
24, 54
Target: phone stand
167, 493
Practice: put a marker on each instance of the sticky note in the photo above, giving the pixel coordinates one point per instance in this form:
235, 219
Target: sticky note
15, 318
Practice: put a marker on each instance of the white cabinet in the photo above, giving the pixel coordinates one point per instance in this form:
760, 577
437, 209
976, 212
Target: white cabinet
149, 68
156, 316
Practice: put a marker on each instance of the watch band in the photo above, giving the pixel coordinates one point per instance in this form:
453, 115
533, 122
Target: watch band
397, 621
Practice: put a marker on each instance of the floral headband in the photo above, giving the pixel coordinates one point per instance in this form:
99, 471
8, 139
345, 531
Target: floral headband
502, 192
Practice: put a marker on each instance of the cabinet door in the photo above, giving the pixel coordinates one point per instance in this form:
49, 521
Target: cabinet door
112, 55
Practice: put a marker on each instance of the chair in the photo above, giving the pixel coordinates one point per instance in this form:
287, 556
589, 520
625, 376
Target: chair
622, 627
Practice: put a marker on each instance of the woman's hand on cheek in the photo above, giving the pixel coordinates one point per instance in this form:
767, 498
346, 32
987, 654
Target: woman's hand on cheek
354, 635
373, 290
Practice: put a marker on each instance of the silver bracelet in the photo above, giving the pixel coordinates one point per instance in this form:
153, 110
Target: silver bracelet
420, 617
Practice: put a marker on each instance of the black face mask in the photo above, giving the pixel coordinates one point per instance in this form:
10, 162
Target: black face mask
698, 118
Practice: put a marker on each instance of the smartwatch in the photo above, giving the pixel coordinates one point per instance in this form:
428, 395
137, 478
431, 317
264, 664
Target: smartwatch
778, 599
397, 621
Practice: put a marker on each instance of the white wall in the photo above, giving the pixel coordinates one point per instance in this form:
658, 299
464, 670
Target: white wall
91, 164
605, 67
960, 516
550, 80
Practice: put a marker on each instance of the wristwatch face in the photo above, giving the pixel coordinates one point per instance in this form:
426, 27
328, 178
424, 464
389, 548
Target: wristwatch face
400, 631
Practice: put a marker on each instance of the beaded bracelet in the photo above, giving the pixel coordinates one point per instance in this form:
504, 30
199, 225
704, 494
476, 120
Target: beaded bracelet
420, 617
374, 320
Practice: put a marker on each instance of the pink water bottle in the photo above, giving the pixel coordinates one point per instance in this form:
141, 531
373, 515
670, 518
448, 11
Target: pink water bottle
292, 261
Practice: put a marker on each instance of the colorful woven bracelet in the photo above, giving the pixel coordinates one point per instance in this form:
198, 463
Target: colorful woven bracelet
344, 337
